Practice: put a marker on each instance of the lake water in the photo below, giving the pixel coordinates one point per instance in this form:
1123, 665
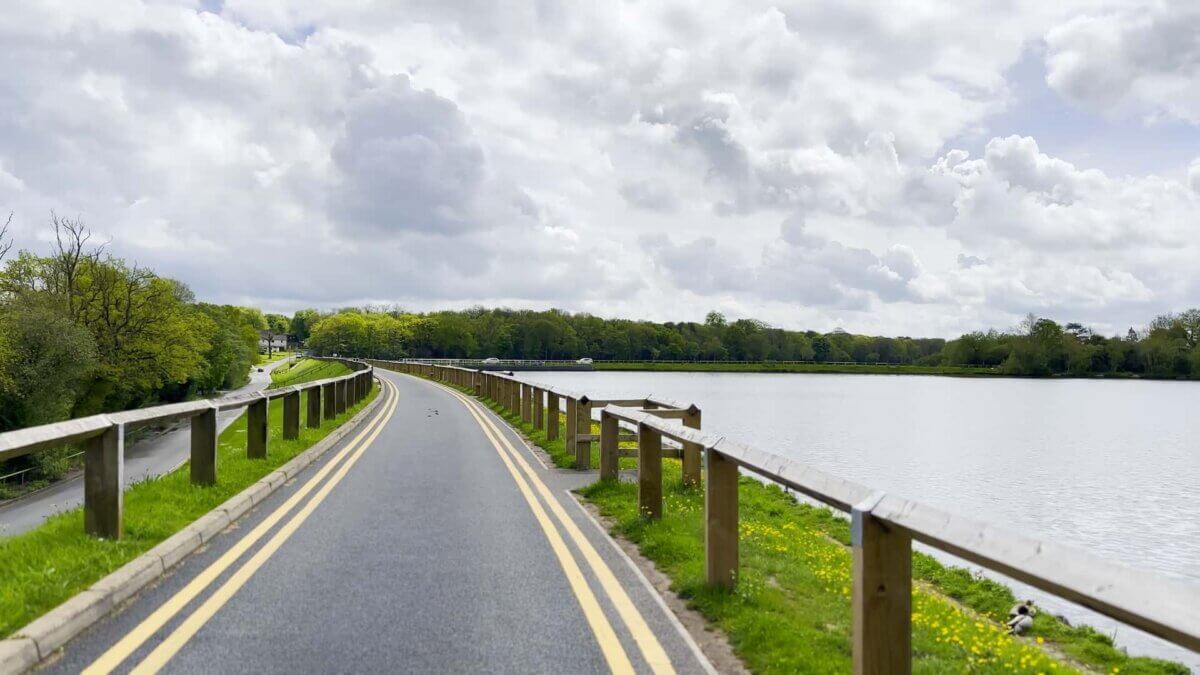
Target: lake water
1112, 467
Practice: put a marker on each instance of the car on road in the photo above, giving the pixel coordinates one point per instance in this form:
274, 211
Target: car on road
491, 359
585, 361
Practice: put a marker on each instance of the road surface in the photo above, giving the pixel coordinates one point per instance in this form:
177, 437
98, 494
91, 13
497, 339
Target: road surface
148, 458
430, 540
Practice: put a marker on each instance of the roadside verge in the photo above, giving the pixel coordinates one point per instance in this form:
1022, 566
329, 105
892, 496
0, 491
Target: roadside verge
29, 645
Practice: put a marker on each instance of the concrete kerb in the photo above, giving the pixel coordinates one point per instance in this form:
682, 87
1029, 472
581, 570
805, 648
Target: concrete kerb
43, 636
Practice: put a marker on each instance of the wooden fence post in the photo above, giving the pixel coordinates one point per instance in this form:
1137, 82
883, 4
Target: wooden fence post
313, 418
570, 424
649, 472
103, 480
526, 403
203, 461
257, 421
291, 415
691, 451
720, 521
538, 403
551, 416
329, 400
340, 392
882, 593
583, 432
610, 429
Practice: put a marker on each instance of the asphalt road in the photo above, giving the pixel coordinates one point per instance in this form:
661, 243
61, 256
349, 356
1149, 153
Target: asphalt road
421, 543
153, 456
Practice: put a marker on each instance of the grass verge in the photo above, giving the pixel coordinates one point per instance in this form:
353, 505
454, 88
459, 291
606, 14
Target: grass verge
275, 356
306, 370
42, 568
791, 610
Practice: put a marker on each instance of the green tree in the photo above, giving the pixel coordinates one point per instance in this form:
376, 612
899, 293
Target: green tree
302, 323
278, 324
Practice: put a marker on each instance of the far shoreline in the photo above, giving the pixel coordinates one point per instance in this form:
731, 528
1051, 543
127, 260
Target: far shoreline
769, 367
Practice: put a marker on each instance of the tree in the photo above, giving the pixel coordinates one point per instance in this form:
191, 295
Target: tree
48, 358
302, 323
342, 333
278, 324
6, 243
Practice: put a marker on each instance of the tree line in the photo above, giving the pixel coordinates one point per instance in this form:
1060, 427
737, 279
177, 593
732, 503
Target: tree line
1036, 347
84, 332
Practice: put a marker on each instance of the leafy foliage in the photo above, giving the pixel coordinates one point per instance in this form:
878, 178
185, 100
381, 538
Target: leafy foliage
83, 332
1037, 347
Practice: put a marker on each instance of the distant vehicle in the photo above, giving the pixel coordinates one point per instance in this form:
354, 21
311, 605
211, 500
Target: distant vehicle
585, 361
491, 359
260, 370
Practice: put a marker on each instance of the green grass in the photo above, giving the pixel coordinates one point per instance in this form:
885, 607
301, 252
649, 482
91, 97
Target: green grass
770, 367
306, 370
275, 356
791, 610
44, 567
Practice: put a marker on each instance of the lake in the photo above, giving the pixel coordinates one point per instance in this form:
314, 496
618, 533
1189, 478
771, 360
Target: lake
1109, 466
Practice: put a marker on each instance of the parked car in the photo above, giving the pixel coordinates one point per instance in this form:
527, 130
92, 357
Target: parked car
491, 359
585, 361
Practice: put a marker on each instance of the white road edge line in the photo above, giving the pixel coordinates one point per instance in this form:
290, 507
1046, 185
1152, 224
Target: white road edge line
674, 620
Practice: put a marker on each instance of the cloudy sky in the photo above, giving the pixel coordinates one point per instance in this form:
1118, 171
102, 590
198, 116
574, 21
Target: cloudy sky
918, 168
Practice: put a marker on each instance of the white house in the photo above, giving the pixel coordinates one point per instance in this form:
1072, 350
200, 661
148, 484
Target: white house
268, 341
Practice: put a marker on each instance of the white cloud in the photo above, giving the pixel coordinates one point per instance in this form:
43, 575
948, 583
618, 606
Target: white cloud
793, 161
406, 160
1140, 58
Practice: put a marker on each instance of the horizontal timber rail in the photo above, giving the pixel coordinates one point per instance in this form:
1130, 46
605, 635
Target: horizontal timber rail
508, 364
883, 526
103, 436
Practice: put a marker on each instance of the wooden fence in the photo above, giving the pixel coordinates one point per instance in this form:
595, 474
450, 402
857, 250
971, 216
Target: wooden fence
883, 526
103, 436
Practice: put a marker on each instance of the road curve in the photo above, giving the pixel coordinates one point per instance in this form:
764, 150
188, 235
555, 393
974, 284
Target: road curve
429, 540
147, 458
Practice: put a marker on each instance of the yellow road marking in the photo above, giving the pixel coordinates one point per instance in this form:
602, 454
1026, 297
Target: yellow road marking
650, 647
191, 625
153, 623
610, 645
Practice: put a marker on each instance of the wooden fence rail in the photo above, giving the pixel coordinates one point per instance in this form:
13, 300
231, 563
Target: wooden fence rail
883, 526
103, 437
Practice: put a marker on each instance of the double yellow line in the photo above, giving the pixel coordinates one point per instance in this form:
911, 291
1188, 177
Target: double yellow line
169, 647
618, 661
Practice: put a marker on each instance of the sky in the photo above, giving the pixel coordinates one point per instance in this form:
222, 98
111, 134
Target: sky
897, 168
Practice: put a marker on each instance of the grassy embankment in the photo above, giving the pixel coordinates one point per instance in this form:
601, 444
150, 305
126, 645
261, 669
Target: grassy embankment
305, 370
769, 367
44, 567
791, 611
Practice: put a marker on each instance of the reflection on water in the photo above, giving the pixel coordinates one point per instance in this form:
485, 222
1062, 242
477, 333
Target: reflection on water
1109, 466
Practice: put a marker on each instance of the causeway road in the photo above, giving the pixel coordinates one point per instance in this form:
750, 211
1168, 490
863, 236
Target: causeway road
149, 457
431, 539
